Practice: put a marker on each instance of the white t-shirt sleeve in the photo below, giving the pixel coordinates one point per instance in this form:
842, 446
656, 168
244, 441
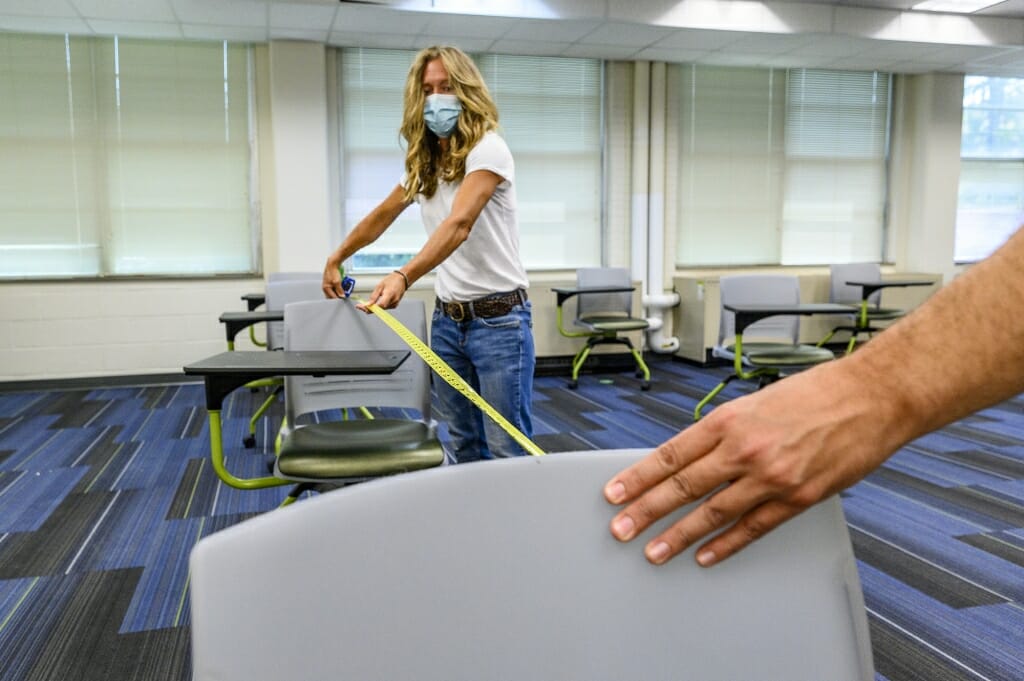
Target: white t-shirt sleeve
491, 153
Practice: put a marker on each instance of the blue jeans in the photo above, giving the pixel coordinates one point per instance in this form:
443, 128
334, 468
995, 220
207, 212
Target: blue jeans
496, 356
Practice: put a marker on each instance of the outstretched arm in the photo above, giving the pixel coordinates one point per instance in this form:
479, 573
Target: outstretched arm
366, 232
778, 451
474, 193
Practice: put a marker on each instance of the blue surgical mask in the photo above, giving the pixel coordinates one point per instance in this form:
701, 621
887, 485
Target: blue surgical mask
441, 114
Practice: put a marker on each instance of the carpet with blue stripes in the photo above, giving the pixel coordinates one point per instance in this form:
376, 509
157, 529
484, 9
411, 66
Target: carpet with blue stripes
103, 493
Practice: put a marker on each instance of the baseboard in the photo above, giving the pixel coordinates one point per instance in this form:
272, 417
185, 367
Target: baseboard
94, 382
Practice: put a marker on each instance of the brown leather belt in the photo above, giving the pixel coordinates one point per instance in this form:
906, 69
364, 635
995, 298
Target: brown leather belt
494, 305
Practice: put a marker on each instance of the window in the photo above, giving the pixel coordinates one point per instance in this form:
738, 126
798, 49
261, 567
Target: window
781, 166
991, 194
550, 116
123, 157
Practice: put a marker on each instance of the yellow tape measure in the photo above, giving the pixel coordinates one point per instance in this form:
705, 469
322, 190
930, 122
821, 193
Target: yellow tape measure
441, 368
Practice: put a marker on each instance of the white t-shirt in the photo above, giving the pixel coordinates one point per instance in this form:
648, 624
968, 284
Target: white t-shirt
488, 261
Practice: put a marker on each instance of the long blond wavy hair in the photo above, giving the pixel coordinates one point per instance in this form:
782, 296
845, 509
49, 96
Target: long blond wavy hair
425, 164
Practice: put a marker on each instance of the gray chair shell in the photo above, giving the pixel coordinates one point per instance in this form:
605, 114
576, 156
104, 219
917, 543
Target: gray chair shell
506, 570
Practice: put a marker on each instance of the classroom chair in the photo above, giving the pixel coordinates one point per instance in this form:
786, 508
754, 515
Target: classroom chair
506, 570
867, 310
604, 309
767, 348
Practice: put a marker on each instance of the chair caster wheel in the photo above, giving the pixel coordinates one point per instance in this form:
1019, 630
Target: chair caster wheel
645, 385
249, 442
573, 385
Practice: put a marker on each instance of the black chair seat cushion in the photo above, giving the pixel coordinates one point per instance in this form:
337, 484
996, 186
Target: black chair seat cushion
788, 356
612, 323
358, 449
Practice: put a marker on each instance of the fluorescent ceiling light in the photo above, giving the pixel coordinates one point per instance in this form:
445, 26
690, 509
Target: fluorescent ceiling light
955, 6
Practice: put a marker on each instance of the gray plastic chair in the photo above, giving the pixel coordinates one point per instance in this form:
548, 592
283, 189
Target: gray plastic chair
506, 570
352, 450
845, 294
603, 315
282, 288
769, 346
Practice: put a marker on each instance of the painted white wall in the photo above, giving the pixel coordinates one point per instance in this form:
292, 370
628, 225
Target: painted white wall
298, 114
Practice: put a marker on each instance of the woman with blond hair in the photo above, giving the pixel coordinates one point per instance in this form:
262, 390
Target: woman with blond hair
461, 173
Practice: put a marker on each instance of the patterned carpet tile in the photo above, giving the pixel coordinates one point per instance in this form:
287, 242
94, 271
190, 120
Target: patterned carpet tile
104, 492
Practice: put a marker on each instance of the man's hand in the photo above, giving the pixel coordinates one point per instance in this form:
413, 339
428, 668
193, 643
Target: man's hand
762, 458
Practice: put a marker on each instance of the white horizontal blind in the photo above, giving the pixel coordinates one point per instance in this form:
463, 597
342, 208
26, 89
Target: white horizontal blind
373, 152
781, 167
139, 157
990, 202
550, 116
49, 224
836, 152
730, 144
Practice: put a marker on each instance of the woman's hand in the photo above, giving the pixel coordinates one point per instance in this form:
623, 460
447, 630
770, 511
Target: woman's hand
387, 293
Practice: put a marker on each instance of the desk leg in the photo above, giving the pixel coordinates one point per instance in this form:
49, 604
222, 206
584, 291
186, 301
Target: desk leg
217, 458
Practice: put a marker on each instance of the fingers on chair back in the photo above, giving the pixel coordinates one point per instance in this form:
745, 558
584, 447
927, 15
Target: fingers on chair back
604, 304
289, 287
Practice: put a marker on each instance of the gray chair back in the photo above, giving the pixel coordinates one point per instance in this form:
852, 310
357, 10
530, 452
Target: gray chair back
506, 570
753, 289
337, 325
843, 293
284, 290
608, 304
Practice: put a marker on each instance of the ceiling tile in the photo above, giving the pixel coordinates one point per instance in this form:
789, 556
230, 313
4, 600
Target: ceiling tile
567, 30
674, 55
696, 39
245, 34
465, 44
310, 17
626, 35
768, 43
53, 25
827, 46
126, 10
38, 8
599, 51
356, 19
224, 12
135, 29
312, 34
529, 47
372, 40
470, 26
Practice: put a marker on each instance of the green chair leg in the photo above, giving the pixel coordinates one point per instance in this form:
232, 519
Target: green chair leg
710, 396
577, 364
642, 369
250, 440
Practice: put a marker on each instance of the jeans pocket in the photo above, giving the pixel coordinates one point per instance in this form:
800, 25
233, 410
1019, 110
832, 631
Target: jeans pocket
506, 321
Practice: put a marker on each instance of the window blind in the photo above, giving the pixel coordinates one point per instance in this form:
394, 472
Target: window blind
990, 200
550, 116
731, 140
781, 167
837, 133
125, 157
